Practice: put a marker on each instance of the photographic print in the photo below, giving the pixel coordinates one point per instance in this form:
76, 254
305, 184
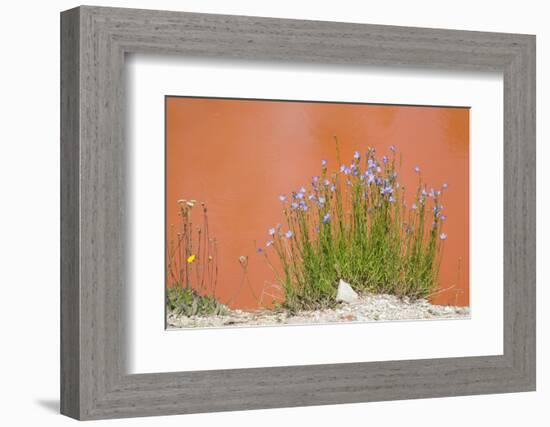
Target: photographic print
283, 212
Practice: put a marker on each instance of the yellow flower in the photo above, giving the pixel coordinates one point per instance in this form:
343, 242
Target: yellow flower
191, 259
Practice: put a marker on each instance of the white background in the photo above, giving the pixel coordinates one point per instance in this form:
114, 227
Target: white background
151, 78
29, 213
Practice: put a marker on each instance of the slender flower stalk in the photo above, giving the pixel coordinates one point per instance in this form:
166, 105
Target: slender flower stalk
192, 265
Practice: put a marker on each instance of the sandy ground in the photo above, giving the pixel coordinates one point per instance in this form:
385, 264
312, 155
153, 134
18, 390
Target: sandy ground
367, 309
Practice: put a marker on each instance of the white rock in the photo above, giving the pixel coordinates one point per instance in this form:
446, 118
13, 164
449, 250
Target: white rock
346, 293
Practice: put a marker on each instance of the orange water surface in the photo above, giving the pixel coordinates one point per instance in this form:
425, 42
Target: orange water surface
237, 156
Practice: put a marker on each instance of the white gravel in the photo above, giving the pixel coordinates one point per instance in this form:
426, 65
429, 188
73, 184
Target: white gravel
368, 308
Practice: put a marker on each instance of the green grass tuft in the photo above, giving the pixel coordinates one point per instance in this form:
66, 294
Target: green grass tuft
187, 302
354, 224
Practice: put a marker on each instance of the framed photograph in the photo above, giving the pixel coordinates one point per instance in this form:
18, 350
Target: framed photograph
261, 213
337, 239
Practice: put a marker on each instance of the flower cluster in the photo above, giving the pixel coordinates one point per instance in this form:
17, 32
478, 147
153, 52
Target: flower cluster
353, 223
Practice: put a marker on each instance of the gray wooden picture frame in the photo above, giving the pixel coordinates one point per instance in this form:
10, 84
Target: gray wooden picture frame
94, 381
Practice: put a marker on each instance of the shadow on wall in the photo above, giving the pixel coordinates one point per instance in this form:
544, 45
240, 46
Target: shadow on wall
51, 405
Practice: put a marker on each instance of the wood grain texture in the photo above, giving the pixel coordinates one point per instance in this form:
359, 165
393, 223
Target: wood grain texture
95, 238
70, 291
